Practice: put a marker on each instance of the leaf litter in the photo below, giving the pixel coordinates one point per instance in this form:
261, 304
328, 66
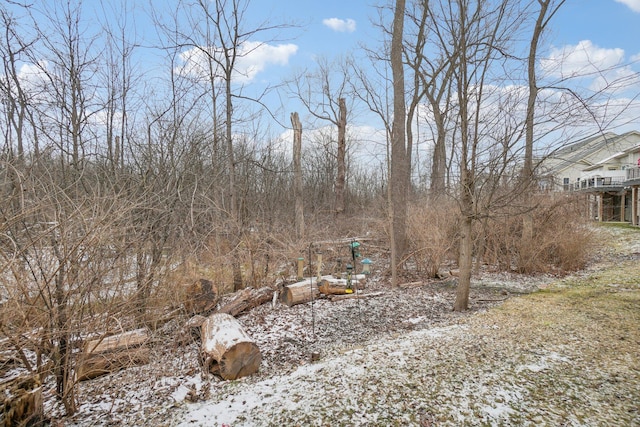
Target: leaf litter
550, 352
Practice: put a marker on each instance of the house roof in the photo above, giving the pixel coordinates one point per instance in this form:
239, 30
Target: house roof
580, 151
614, 157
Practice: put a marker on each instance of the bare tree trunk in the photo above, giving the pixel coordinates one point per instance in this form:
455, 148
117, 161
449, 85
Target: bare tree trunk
467, 181
341, 162
297, 174
439, 159
231, 164
528, 170
398, 178
465, 264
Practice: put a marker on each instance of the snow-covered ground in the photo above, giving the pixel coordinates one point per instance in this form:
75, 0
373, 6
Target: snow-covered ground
403, 358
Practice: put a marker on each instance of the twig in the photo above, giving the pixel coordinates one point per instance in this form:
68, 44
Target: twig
352, 296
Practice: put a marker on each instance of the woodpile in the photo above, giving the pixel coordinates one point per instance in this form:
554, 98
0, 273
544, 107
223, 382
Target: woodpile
227, 350
313, 288
110, 354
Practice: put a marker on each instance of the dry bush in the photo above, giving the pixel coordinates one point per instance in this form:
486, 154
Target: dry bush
431, 236
562, 239
560, 242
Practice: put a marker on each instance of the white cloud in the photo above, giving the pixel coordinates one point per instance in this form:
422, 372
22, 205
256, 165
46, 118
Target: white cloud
596, 68
340, 25
252, 58
255, 56
583, 59
631, 4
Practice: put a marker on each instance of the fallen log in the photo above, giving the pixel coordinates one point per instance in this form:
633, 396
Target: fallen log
240, 302
338, 286
245, 300
411, 284
227, 350
358, 295
21, 402
299, 293
110, 354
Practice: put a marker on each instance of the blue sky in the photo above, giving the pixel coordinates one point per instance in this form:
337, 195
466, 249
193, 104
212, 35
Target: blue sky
585, 33
608, 24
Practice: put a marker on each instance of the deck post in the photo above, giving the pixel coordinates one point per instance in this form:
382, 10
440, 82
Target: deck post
634, 205
600, 198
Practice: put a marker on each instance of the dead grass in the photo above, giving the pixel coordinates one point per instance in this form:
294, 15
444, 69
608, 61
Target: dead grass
573, 347
565, 355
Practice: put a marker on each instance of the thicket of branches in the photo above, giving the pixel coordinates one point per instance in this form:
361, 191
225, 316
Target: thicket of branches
118, 186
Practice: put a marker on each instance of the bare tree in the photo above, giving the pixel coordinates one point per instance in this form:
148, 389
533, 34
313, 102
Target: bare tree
297, 174
479, 30
400, 167
15, 98
119, 77
324, 94
548, 8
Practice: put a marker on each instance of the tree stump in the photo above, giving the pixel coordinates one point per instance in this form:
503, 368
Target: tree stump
227, 350
110, 354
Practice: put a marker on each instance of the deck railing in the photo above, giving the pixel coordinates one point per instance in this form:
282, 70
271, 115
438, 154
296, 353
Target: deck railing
597, 182
633, 173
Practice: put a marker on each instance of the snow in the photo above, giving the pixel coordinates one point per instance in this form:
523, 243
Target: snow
226, 330
399, 359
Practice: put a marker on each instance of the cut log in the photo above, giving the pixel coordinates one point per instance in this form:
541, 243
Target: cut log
245, 300
105, 355
337, 286
299, 293
200, 296
21, 402
227, 349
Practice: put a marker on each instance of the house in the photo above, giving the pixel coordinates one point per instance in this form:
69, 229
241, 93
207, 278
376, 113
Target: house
605, 168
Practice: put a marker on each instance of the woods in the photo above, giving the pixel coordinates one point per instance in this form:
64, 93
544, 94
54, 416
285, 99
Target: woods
145, 177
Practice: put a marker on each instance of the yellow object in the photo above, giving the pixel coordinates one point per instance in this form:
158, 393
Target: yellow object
348, 291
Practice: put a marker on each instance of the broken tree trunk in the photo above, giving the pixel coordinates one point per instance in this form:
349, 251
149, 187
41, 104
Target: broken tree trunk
200, 296
110, 354
245, 300
299, 293
227, 349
